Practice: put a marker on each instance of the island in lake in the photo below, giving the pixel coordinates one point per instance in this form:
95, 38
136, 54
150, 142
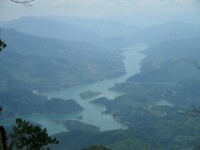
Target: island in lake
89, 94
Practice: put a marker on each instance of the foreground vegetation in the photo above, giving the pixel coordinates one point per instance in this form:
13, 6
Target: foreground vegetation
28, 136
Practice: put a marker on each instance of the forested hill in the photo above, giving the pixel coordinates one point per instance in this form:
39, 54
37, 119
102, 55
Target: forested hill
162, 101
171, 61
81, 135
46, 64
176, 49
16, 102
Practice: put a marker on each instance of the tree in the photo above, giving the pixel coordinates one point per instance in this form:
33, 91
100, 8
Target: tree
3, 145
28, 136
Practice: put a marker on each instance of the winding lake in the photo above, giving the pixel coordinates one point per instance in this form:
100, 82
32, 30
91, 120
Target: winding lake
92, 114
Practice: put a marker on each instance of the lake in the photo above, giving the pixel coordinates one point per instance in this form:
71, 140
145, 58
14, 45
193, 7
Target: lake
92, 114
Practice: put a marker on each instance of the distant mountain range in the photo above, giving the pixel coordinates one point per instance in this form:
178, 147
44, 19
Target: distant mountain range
104, 28
102, 32
52, 29
157, 34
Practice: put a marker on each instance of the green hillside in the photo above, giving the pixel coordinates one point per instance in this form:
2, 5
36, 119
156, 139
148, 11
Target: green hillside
47, 64
162, 101
171, 61
20, 102
87, 135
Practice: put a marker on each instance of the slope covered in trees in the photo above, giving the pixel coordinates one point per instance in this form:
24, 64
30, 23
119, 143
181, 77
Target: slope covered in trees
17, 102
81, 135
47, 64
172, 61
158, 102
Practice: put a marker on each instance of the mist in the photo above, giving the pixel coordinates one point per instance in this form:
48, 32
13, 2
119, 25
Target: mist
102, 74
132, 12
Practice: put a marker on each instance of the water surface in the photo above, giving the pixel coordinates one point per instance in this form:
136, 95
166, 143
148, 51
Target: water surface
92, 114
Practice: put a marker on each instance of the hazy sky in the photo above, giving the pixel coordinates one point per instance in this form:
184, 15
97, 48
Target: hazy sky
101, 8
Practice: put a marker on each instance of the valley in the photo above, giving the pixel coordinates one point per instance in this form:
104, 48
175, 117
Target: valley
103, 82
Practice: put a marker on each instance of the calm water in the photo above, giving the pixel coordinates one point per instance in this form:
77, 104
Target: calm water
92, 114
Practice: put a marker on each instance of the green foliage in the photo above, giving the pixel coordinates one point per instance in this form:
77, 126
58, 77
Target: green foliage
169, 74
28, 136
169, 126
2, 44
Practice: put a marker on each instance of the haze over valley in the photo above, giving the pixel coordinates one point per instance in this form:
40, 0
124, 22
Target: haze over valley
123, 75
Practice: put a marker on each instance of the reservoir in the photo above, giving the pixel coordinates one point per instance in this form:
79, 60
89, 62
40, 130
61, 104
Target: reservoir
92, 114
